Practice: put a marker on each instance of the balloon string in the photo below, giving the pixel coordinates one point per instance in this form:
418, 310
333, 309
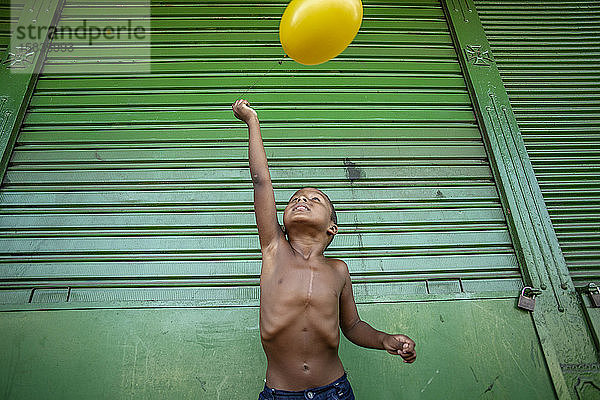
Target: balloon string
254, 84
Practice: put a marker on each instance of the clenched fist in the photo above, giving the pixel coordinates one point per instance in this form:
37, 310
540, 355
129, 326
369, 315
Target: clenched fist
400, 345
243, 112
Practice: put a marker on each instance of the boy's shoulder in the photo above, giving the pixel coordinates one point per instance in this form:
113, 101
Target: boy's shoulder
333, 261
338, 264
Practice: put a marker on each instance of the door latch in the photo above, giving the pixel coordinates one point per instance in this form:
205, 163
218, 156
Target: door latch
594, 292
527, 298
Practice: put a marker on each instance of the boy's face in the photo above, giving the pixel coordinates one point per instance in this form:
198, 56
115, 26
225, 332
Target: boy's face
316, 210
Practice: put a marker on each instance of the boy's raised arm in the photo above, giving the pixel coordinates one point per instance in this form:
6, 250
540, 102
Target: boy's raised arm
269, 231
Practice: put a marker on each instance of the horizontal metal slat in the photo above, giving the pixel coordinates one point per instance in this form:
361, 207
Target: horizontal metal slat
236, 245
223, 115
203, 10
97, 273
321, 153
214, 221
173, 66
273, 133
215, 198
181, 99
239, 83
244, 54
216, 176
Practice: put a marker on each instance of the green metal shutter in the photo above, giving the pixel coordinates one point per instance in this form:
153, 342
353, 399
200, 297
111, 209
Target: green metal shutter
548, 54
136, 187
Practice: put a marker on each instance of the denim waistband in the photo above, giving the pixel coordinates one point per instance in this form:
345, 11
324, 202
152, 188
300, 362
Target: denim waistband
315, 390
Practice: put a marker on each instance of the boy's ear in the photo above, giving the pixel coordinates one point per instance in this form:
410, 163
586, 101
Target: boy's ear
333, 229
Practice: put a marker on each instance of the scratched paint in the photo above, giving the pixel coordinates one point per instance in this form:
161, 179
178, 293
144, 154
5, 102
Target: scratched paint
429, 381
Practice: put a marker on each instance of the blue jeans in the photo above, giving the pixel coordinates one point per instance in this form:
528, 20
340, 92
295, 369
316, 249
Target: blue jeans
339, 389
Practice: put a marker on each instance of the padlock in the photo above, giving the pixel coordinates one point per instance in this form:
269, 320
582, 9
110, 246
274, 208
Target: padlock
525, 302
594, 292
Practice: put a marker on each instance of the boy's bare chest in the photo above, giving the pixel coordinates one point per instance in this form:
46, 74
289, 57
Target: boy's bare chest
291, 282
299, 299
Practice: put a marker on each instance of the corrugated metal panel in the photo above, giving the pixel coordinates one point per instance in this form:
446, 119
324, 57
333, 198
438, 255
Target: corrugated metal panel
548, 54
9, 13
129, 187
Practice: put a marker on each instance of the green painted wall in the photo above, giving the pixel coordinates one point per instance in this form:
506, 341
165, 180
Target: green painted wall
483, 349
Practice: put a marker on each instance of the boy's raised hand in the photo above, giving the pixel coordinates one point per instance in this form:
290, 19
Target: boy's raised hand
242, 111
400, 345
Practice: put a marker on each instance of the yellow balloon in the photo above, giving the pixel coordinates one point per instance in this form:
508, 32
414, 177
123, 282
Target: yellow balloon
314, 31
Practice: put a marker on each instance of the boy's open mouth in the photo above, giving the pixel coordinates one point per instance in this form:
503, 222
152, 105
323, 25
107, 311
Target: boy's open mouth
301, 207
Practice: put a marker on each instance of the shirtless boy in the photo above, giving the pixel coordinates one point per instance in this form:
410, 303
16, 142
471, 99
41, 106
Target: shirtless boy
305, 297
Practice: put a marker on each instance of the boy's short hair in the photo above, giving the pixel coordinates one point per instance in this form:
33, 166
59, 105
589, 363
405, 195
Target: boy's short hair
333, 215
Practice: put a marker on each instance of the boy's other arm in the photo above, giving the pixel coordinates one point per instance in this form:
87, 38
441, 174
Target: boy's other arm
362, 334
269, 231
357, 331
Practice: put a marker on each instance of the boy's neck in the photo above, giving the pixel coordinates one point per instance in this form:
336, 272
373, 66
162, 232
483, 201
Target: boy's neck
307, 247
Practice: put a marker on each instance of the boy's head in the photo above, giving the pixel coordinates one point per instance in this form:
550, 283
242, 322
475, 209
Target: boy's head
319, 212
